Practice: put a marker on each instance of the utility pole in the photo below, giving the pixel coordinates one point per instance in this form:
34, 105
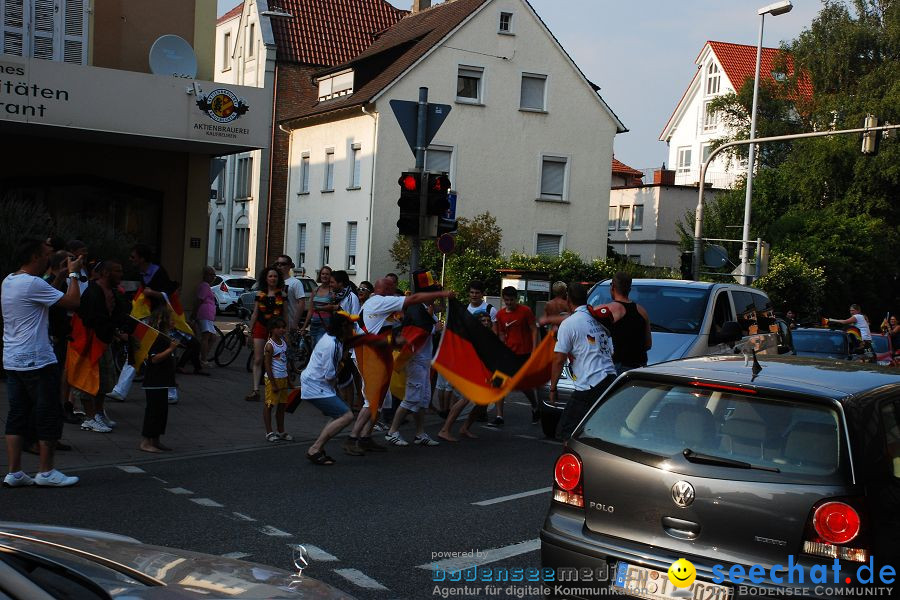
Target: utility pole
421, 127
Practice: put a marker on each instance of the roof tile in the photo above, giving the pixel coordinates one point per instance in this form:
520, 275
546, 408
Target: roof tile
620, 168
739, 63
234, 12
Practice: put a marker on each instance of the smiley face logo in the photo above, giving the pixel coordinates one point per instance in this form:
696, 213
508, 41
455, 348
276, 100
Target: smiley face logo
682, 573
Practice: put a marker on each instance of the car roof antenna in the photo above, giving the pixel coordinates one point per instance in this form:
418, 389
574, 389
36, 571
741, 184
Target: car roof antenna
757, 368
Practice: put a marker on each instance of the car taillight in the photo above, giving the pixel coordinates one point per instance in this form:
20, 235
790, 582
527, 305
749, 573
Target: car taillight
223, 287
834, 524
567, 480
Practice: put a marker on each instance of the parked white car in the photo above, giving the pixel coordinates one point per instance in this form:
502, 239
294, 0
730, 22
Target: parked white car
228, 291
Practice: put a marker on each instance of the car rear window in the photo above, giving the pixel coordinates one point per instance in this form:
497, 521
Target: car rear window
240, 283
672, 308
880, 343
824, 342
664, 420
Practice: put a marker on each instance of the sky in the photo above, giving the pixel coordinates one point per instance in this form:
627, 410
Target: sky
641, 53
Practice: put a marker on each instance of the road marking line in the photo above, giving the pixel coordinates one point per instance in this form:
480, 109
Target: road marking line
160, 480
206, 502
235, 555
359, 578
512, 497
274, 532
520, 403
179, 490
527, 437
131, 469
554, 442
243, 517
484, 556
317, 553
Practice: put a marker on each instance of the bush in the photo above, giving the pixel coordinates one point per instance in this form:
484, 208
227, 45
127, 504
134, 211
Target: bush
792, 283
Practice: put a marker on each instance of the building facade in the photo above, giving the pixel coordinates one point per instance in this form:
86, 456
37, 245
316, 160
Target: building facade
523, 139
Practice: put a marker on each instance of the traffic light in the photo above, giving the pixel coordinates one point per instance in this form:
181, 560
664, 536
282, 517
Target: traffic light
687, 265
446, 226
438, 188
870, 139
409, 182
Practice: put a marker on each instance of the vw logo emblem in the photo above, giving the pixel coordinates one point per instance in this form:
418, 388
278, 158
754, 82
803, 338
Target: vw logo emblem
683, 493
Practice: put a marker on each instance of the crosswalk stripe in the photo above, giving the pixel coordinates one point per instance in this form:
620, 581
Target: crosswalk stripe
483, 557
512, 497
360, 579
274, 532
316, 553
131, 469
236, 555
179, 490
206, 502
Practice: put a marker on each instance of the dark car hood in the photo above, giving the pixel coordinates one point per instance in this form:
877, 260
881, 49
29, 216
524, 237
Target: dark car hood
185, 574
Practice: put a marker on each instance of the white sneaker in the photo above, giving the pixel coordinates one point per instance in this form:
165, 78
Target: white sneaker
114, 395
104, 418
19, 479
54, 479
95, 424
395, 439
286, 437
424, 440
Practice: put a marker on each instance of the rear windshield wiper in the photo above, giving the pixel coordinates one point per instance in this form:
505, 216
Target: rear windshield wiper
719, 461
658, 327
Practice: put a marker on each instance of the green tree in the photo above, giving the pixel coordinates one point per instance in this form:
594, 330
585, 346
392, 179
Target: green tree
792, 283
480, 235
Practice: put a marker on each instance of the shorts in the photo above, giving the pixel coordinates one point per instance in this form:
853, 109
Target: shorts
418, 387
279, 397
330, 406
259, 331
442, 384
35, 391
206, 326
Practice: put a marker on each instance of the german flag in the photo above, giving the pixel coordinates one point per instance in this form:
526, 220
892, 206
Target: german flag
480, 367
140, 305
83, 358
414, 333
145, 337
375, 359
178, 318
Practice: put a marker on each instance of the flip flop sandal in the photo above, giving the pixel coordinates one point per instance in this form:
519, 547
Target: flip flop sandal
252, 396
320, 458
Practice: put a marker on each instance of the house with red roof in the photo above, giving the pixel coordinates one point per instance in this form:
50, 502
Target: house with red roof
524, 138
722, 67
277, 45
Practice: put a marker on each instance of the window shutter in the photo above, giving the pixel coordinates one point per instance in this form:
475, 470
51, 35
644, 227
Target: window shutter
301, 242
532, 92
75, 32
351, 239
326, 234
44, 26
12, 27
548, 245
553, 176
438, 160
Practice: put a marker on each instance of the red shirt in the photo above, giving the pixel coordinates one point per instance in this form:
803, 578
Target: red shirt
516, 326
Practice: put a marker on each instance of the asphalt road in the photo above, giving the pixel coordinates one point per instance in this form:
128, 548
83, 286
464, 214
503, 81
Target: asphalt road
381, 526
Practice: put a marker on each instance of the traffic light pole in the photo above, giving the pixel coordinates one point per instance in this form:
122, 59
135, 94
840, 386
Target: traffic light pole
421, 126
698, 221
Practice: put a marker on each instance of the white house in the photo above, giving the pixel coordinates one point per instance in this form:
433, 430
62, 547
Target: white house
722, 67
528, 137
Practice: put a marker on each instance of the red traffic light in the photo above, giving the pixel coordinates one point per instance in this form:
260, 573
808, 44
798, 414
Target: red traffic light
438, 183
409, 182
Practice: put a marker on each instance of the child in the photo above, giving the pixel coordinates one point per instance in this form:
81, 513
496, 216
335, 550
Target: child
159, 376
277, 381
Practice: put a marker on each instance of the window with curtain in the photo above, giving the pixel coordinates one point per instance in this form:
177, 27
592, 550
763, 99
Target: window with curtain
613, 218
351, 245
468, 84
624, 217
553, 177
301, 245
326, 244
637, 220
533, 88
328, 185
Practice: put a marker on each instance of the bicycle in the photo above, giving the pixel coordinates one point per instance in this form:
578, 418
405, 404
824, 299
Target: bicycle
230, 345
299, 352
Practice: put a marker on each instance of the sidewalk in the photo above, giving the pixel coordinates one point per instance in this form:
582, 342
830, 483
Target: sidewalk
211, 415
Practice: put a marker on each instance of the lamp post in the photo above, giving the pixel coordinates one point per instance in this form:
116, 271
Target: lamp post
775, 9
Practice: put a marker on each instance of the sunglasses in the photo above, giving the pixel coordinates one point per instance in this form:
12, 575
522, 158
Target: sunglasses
282, 264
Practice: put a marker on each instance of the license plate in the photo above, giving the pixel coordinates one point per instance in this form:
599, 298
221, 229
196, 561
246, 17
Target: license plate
641, 582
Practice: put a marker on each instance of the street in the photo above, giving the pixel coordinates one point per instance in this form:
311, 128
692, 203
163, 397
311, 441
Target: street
371, 524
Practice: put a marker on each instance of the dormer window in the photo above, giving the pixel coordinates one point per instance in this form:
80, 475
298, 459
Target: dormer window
506, 23
713, 79
335, 85
779, 76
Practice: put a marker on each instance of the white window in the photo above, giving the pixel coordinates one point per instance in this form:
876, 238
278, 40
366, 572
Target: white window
553, 177
613, 218
710, 117
48, 29
355, 166
506, 23
533, 96
637, 221
328, 184
219, 241
243, 178
713, 79
226, 51
624, 217
704, 152
301, 245
684, 160
468, 84
548, 244
439, 158
251, 40
304, 173
326, 244
240, 251
351, 246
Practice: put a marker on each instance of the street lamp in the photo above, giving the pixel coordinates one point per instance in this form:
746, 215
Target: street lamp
775, 9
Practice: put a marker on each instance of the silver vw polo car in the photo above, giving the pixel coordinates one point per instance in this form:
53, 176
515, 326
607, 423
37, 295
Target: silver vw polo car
738, 467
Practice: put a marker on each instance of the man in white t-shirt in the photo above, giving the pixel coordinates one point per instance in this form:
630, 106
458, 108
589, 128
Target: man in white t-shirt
296, 304
31, 367
477, 303
584, 335
380, 313
861, 322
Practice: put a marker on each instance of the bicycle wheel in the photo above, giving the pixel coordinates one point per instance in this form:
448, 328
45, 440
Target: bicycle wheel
228, 348
250, 361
